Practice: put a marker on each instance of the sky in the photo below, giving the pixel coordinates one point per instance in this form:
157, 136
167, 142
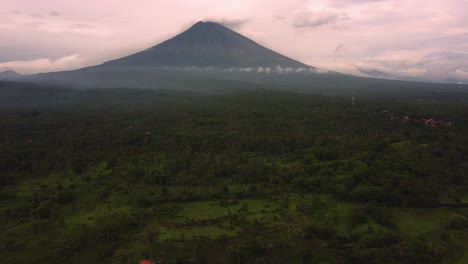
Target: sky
404, 39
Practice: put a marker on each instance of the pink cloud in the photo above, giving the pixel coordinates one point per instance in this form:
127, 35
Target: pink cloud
46, 64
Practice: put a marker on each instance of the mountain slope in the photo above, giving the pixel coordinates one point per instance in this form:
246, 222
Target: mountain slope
208, 44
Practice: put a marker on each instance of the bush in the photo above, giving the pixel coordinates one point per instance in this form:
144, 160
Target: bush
44, 213
65, 197
18, 211
236, 255
380, 240
144, 201
380, 214
357, 215
319, 231
458, 222
11, 245
369, 193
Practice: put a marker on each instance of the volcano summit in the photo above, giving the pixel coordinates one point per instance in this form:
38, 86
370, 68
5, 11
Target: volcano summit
208, 44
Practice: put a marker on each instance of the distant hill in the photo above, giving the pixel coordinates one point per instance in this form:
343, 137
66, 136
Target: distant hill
9, 75
208, 44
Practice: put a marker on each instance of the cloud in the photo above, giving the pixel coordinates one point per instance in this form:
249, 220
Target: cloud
35, 15
54, 13
34, 24
82, 26
4, 69
339, 48
344, 3
375, 73
381, 70
317, 19
277, 18
426, 64
48, 65
230, 23
459, 74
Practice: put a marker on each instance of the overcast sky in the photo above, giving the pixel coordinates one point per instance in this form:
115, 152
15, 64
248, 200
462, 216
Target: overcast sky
423, 39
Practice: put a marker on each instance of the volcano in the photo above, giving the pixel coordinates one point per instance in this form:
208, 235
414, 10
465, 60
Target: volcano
208, 57
208, 44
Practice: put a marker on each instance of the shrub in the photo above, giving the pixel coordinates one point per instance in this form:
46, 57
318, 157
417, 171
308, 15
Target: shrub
369, 193
65, 197
319, 231
44, 213
458, 222
357, 215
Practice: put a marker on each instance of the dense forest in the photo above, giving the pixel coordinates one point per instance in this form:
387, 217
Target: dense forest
257, 176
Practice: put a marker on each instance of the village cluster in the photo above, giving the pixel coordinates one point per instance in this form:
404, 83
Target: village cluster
429, 122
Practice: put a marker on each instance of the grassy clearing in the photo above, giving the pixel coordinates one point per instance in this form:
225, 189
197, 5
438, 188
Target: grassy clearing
214, 209
331, 212
261, 210
363, 228
339, 213
203, 210
417, 221
211, 232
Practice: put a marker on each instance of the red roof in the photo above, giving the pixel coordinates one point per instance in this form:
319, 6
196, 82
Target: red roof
145, 262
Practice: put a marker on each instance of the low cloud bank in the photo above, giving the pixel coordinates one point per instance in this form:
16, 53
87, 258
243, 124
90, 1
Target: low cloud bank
266, 70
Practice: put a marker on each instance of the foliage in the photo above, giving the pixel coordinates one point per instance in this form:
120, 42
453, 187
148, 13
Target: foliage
250, 177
